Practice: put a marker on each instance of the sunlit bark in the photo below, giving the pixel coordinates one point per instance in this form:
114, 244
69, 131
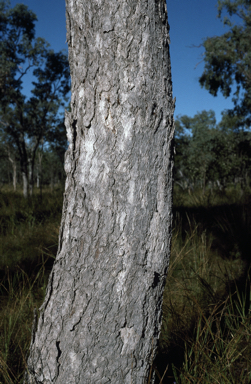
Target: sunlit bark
101, 317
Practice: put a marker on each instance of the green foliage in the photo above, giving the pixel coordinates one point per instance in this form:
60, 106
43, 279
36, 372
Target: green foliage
19, 49
211, 155
27, 124
195, 151
228, 59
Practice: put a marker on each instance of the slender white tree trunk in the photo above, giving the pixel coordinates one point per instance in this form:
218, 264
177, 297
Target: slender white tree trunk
14, 173
39, 168
30, 177
14, 168
101, 317
25, 184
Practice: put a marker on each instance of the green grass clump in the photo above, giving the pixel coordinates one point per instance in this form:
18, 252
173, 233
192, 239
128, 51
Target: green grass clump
20, 294
28, 227
28, 245
206, 329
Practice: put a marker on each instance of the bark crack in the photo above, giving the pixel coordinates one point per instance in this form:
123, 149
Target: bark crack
59, 351
109, 30
156, 279
74, 326
74, 135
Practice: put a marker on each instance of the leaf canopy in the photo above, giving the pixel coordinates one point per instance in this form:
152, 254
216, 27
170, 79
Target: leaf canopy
228, 59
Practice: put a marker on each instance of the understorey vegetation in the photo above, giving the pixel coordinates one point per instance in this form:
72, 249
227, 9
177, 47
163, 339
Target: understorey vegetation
206, 325
210, 155
206, 328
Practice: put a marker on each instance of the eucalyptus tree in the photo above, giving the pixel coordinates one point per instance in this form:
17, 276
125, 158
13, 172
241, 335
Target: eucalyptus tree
228, 59
182, 139
48, 96
201, 151
50, 158
236, 159
101, 317
210, 152
196, 142
25, 122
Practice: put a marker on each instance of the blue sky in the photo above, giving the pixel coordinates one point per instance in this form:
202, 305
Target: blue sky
190, 22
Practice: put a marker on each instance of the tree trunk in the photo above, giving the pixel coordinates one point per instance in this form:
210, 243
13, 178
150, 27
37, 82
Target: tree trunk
39, 169
52, 180
38, 179
101, 317
14, 167
25, 184
14, 170
30, 177
24, 165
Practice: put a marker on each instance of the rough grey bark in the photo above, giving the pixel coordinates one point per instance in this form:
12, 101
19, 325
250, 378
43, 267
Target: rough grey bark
101, 317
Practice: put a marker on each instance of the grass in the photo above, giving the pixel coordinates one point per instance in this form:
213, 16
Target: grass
206, 328
28, 228
28, 245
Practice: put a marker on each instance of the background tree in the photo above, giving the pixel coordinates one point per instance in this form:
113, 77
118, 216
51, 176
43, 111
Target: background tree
236, 157
26, 122
52, 157
197, 145
101, 317
202, 128
182, 139
215, 154
228, 59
